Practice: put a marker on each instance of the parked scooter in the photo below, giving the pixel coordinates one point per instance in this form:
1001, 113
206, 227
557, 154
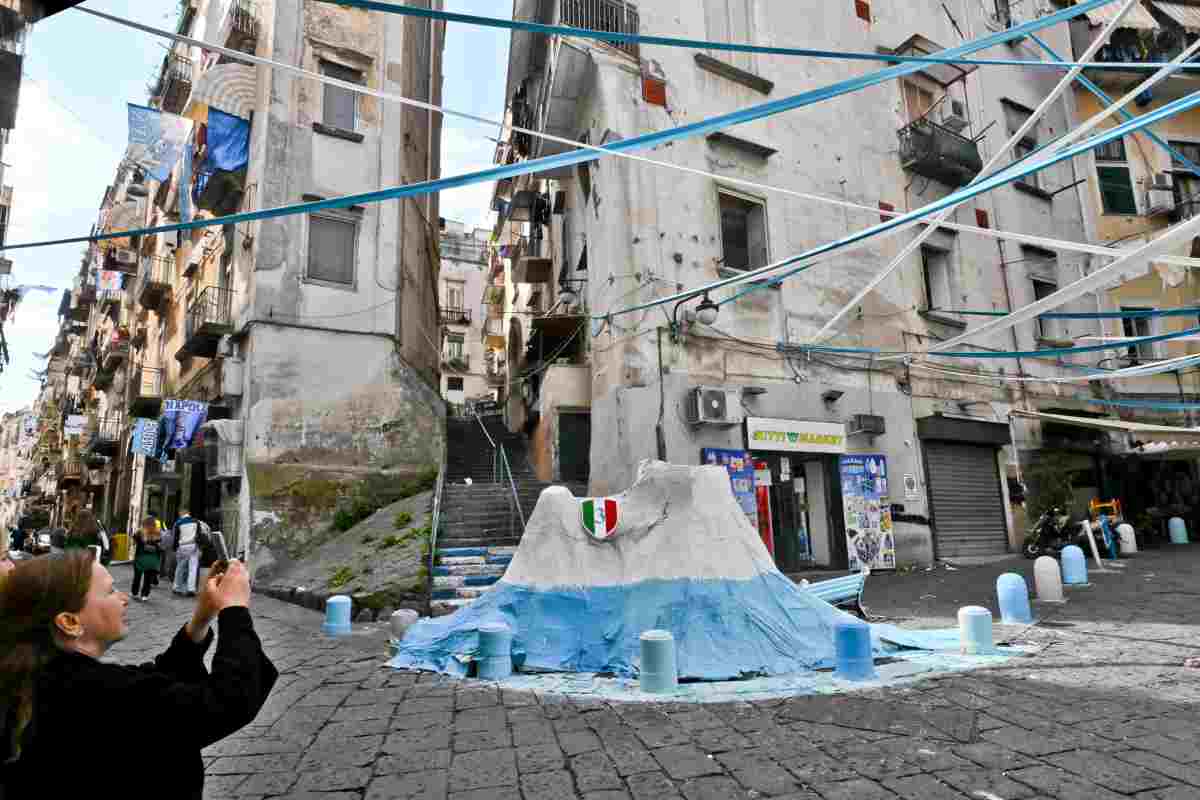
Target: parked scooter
1053, 531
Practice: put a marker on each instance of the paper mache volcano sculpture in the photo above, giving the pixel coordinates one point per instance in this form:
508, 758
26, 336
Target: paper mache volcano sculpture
674, 552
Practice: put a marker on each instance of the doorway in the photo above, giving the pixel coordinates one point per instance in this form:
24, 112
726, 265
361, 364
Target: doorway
806, 510
574, 446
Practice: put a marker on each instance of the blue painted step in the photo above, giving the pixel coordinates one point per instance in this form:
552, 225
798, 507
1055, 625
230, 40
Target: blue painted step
444, 594
480, 580
462, 552
504, 559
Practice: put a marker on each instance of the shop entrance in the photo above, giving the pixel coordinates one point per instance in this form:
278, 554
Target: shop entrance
805, 510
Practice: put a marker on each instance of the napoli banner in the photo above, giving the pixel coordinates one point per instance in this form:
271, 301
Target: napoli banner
145, 437
182, 419
156, 140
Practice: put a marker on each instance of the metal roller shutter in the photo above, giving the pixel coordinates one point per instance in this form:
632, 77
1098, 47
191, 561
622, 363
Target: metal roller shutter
968, 507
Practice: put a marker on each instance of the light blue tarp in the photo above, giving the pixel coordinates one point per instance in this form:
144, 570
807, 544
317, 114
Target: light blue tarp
723, 629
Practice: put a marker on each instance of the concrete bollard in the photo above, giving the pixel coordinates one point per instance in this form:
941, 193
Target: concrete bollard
975, 630
1074, 566
495, 651
852, 648
1013, 594
1178, 530
1047, 578
659, 673
337, 616
401, 621
1127, 538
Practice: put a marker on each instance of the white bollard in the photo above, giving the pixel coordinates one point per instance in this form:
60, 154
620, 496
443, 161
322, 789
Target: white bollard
1127, 538
401, 621
1047, 577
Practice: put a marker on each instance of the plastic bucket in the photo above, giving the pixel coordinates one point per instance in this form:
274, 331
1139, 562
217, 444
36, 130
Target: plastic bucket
658, 670
495, 651
852, 648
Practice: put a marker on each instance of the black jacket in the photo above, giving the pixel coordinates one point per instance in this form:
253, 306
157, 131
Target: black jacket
82, 701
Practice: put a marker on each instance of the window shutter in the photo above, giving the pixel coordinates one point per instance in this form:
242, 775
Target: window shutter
331, 250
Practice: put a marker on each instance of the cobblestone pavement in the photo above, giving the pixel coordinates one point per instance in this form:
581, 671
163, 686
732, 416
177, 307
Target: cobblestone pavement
1103, 710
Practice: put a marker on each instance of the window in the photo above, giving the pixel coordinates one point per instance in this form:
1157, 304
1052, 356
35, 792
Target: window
917, 100
743, 232
454, 346
1016, 116
939, 278
1004, 13
1186, 184
454, 384
341, 105
331, 249
731, 21
1138, 327
1045, 328
454, 296
1116, 184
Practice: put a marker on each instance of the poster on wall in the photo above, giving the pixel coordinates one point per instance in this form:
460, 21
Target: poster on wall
870, 539
762, 489
740, 467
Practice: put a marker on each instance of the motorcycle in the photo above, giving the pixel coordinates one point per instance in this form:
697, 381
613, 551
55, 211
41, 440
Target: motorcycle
1053, 531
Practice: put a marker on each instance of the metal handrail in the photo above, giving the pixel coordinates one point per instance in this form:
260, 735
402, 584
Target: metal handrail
433, 534
502, 471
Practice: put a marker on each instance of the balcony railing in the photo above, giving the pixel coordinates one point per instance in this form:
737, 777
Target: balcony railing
939, 153
107, 435
459, 249
147, 395
155, 281
114, 355
175, 85
609, 16
456, 316
112, 297
70, 471
209, 317
460, 362
243, 26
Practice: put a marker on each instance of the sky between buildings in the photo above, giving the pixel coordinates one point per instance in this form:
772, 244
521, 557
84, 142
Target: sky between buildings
72, 129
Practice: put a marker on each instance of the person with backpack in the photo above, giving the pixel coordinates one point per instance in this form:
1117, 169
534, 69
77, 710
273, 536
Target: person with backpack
147, 559
187, 553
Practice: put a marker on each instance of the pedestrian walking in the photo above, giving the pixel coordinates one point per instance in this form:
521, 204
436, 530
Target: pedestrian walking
58, 617
168, 543
147, 559
187, 553
85, 533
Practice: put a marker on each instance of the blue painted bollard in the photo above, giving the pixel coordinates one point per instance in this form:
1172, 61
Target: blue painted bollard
658, 673
495, 651
975, 630
852, 649
337, 616
1178, 530
1074, 566
1013, 594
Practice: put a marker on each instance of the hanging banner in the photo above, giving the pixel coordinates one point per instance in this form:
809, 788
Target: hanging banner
144, 441
741, 477
157, 140
180, 421
869, 537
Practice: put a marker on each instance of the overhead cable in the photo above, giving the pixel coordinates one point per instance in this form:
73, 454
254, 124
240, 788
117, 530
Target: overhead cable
570, 158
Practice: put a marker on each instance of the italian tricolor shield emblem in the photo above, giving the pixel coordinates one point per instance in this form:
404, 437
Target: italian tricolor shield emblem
599, 516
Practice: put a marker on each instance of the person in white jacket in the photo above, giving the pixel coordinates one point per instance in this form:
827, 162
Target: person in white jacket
187, 553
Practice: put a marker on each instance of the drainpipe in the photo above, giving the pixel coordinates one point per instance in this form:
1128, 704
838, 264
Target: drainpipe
659, 434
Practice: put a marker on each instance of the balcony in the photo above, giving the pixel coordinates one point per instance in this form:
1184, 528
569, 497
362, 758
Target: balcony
175, 83
113, 298
70, 473
1141, 39
81, 363
209, 317
932, 151
120, 259
534, 265
139, 337
114, 355
456, 361
106, 436
456, 316
243, 26
101, 380
566, 65
155, 281
458, 248
146, 397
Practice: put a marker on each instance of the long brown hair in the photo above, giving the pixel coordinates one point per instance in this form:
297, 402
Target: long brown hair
31, 596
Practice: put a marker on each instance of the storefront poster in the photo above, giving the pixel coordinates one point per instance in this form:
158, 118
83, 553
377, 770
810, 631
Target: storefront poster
741, 477
762, 489
870, 539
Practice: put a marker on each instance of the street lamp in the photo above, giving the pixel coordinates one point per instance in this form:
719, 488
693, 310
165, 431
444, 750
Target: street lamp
567, 295
706, 313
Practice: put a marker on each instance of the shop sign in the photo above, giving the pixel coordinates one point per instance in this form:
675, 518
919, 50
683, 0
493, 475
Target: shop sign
870, 540
795, 436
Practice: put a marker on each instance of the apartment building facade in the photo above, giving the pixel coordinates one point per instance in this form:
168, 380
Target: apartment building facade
721, 386
304, 344
468, 362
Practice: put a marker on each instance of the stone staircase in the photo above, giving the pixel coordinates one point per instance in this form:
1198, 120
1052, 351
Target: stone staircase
478, 533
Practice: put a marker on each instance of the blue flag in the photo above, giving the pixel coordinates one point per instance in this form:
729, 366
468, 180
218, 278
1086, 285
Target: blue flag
145, 437
181, 419
156, 140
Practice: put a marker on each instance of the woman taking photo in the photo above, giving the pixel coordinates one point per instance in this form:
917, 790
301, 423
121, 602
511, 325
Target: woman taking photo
58, 617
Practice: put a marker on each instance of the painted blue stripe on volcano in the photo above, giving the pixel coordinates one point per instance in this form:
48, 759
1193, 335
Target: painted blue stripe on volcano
723, 628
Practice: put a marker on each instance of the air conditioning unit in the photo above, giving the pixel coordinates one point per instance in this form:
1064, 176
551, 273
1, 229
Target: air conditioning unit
956, 118
1159, 201
870, 424
1163, 180
710, 405
125, 258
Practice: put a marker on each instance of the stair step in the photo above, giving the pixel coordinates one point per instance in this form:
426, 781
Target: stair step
450, 561
441, 608
500, 561
472, 592
490, 568
459, 552
495, 541
444, 594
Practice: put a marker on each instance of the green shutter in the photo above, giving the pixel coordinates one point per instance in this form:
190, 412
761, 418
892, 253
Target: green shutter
1116, 190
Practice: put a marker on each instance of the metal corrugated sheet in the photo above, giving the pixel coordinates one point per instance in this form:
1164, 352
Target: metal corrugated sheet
1136, 17
968, 506
1187, 16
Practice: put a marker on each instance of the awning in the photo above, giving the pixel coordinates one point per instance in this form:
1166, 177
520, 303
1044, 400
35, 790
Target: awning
231, 88
1145, 432
1136, 17
1187, 16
